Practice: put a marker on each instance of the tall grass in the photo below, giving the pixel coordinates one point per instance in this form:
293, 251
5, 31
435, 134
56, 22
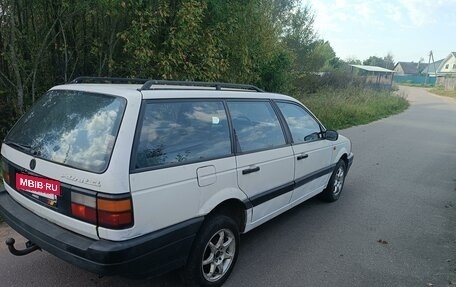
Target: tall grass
351, 106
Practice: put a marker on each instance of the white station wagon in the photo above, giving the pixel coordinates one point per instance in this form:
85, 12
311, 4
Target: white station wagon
139, 177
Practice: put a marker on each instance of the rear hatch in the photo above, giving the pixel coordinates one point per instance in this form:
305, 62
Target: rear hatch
54, 161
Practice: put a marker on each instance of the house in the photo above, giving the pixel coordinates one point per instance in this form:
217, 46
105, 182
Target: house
409, 68
448, 65
411, 72
442, 67
436, 72
446, 73
432, 68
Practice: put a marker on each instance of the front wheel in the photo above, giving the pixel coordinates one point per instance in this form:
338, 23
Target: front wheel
214, 253
336, 183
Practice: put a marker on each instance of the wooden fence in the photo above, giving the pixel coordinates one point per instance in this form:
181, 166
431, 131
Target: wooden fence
447, 82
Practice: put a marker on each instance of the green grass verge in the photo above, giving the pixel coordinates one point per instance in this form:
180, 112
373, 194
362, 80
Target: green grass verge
343, 108
441, 92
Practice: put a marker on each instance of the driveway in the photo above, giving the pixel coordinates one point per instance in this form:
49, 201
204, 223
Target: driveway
394, 225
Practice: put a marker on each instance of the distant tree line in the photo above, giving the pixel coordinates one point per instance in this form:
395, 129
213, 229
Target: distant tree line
386, 62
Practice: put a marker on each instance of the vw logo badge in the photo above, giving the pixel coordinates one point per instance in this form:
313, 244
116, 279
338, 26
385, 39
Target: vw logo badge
32, 164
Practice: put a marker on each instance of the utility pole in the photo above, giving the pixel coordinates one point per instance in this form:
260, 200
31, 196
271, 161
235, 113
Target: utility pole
431, 55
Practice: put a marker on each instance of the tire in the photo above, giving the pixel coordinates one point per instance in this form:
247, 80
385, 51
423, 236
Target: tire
336, 183
212, 259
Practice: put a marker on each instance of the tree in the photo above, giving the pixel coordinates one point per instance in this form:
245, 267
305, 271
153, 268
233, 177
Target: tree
323, 56
374, 61
389, 61
300, 38
270, 43
386, 62
353, 61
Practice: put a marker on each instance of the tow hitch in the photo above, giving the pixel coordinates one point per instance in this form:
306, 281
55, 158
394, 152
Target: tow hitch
29, 247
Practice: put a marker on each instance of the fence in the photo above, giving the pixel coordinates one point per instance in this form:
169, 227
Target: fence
414, 79
447, 82
377, 82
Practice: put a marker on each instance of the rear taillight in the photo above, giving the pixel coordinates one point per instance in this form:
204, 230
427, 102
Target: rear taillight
5, 172
109, 212
115, 213
84, 207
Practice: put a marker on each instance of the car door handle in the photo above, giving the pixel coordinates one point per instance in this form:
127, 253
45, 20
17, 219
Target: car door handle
250, 170
303, 156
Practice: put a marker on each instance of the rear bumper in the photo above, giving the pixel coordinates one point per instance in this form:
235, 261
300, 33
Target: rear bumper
151, 254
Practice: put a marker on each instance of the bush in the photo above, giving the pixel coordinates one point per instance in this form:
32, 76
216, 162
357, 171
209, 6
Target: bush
312, 83
336, 80
307, 83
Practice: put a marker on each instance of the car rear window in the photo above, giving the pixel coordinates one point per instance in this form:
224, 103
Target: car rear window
73, 128
179, 132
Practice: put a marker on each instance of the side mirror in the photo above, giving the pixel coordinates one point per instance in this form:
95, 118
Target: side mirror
331, 135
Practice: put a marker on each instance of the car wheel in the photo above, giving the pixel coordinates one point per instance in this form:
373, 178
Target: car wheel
336, 183
213, 254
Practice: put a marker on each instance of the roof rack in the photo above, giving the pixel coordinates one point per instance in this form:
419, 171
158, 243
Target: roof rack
108, 80
148, 84
218, 86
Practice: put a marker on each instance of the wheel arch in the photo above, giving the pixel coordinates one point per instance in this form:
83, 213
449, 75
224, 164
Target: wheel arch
344, 157
342, 154
233, 208
227, 201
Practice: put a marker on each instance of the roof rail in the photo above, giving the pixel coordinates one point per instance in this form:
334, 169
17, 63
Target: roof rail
147, 83
218, 86
108, 80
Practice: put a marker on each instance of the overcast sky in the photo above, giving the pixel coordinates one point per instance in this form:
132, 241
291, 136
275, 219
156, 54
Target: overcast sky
409, 29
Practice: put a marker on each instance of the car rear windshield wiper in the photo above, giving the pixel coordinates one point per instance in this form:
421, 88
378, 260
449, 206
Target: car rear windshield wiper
24, 147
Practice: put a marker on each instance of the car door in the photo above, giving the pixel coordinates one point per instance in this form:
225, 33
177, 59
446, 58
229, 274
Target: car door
312, 153
264, 160
182, 157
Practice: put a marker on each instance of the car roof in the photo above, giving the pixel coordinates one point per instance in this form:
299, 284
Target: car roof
170, 92
122, 90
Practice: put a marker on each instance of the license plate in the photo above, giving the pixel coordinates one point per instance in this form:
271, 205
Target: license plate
45, 190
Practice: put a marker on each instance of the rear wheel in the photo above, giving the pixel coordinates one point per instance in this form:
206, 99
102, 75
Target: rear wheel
336, 183
213, 254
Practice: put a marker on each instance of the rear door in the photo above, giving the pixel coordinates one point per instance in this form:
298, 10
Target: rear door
182, 157
312, 154
264, 160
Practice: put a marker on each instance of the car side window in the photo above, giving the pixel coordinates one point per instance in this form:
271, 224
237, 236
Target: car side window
174, 132
256, 125
303, 126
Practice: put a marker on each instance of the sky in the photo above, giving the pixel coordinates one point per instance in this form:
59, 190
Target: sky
409, 29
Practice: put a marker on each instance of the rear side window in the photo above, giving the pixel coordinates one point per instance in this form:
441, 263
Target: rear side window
256, 125
303, 126
174, 132
73, 128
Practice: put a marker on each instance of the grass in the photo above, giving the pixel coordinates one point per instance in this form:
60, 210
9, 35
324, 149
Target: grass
343, 108
442, 92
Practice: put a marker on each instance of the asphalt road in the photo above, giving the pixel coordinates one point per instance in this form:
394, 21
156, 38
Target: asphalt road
401, 191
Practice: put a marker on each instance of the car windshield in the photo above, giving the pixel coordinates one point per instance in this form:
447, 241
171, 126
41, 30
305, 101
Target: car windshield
73, 128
